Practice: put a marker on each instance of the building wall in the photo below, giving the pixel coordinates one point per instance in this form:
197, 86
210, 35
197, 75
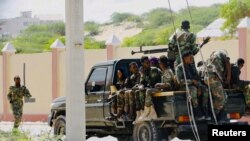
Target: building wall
39, 71
1, 84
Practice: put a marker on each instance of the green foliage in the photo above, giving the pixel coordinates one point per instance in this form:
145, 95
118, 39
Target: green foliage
200, 15
233, 11
90, 43
158, 17
149, 37
13, 136
38, 38
159, 26
92, 27
121, 17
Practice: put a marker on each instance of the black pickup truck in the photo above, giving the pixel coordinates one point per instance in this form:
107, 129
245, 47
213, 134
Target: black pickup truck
171, 108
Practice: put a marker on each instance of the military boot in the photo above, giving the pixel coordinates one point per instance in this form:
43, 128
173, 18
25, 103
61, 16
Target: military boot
145, 113
138, 114
198, 114
131, 112
222, 116
120, 115
206, 113
148, 113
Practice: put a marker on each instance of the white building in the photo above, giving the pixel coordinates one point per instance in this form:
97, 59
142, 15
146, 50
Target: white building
12, 27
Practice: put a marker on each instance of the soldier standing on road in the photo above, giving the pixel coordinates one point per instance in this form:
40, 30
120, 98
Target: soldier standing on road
15, 97
238, 84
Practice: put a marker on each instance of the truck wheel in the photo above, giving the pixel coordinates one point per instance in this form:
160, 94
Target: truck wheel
60, 126
124, 138
146, 131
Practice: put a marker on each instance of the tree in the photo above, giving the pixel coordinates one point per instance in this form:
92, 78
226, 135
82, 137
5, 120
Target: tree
92, 27
233, 12
121, 17
158, 17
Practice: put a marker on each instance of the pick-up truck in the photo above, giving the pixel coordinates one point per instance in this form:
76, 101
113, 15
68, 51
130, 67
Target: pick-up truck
171, 109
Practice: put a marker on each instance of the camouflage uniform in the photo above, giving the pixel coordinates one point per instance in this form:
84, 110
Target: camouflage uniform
215, 66
240, 84
187, 42
119, 102
168, 79
191, 75
129, 101
148, 79
15, 96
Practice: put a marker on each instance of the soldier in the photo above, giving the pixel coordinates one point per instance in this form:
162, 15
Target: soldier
118, 104
238, 84
186, 41
131, 83
217, 66
154, 62
167, 84
149, 77
15, 97
195, 87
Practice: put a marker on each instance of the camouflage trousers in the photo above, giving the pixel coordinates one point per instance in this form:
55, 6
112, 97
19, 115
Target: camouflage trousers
120, 102
140, 99
196, 93
17, 109
217, 92
126, 102
148, 98
246, 91
203, 93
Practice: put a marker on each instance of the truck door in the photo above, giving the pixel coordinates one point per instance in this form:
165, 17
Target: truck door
95, 89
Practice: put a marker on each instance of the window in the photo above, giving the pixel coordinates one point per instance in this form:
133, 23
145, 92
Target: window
96, 80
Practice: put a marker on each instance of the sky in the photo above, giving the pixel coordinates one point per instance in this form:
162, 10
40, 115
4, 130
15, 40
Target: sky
94, 10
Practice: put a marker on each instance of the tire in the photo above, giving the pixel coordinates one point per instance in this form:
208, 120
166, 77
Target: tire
60, 126
125, 138
147, 131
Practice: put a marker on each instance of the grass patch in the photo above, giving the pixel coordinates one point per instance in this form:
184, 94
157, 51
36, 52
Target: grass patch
24, 136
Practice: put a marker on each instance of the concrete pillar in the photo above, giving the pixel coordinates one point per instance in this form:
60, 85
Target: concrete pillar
244, 46
111, 45
74, 85
7, 51
57, 48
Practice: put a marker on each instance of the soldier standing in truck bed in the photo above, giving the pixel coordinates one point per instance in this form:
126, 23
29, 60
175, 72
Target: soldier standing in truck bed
15, 97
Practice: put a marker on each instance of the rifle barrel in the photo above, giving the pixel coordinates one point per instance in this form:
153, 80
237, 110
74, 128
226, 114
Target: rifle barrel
150, 51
